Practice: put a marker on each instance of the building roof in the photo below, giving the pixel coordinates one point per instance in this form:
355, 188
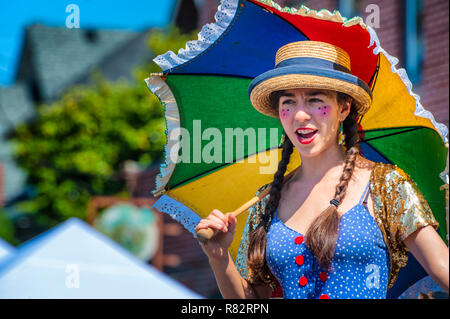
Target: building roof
57, 57
16, 106
135, 15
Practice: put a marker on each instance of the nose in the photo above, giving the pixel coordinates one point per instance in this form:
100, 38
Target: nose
302, 113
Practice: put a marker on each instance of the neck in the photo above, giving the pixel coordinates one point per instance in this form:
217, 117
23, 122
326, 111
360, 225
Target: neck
316, 167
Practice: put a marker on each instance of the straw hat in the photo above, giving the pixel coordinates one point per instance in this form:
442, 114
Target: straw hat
309, 64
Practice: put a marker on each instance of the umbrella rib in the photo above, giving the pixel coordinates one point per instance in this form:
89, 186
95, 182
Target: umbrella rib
379, 153
272, 148
390, 128
391, 134
375, 74
284, 20
225, 31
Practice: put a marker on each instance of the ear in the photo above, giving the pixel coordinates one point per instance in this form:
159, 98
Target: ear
345, 108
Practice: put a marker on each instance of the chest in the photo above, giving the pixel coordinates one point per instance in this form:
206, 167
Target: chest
359, 268
359, 243
299, 207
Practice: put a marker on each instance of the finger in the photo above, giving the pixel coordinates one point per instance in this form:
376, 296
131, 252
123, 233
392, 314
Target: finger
231, 218
232, 222
218, 221
201, 225
217, 213
206, 223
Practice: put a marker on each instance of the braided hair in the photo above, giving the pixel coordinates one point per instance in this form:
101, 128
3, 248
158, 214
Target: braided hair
322, 234
257, 245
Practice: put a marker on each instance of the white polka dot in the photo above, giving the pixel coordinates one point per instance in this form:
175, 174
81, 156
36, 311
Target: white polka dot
359, 244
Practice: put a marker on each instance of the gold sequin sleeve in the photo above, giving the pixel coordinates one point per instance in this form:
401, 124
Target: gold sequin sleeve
254, 216
400, 209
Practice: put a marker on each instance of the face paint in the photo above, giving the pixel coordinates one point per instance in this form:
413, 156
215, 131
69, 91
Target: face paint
323, 111
285, 113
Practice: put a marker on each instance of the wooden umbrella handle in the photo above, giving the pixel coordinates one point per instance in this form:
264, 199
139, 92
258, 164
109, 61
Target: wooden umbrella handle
206, 234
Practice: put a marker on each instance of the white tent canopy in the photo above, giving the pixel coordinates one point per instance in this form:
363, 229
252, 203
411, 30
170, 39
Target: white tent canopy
6, 250
73, 260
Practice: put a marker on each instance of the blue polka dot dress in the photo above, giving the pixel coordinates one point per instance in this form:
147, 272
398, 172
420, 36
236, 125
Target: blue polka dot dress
359, 268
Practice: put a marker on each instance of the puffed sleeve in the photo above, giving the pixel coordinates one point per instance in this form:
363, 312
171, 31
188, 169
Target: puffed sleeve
253, 219
241, 257
410, 210
400, 209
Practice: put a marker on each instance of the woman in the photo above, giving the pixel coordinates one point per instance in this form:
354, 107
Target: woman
351, 246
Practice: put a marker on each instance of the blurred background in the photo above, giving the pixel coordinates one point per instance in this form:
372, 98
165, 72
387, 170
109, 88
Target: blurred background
82, 136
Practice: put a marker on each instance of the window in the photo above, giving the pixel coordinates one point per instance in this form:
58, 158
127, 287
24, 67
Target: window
350, 8
413, 43
291, 3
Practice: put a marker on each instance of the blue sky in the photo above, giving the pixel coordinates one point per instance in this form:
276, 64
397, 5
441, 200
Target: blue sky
16, 15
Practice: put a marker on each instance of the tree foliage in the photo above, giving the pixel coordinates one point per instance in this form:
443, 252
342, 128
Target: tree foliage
7, 232
76, 146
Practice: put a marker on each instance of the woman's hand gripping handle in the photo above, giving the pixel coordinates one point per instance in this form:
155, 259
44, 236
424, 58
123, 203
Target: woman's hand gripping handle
216, 232
206, 233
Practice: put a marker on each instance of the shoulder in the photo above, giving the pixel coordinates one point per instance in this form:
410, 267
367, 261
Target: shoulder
262, 188
391, 188
383, 174
257, 210
387, 180
398, 197
391, 182
400, 209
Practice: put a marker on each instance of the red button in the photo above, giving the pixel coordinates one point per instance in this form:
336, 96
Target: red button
323, 276
299, 260
324, 297
303, 281
299, 240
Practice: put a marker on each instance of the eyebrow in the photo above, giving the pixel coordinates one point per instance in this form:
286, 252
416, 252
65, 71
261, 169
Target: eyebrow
315, 93
287, 95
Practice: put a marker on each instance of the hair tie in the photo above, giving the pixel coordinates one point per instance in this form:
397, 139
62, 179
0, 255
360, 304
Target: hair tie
282, 141
334, 202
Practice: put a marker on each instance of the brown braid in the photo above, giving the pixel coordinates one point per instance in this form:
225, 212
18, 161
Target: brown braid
322, 234
257, 246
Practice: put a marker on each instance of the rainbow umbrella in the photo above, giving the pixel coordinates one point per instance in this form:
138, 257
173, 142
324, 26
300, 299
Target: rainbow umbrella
204, 89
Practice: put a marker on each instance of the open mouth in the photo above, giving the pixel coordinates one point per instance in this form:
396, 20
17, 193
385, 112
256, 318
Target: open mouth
306, 136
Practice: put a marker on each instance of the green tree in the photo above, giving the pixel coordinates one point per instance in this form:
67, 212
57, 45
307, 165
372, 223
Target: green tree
76, 146
7, 228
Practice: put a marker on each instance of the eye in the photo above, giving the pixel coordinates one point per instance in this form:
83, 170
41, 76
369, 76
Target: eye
288, 102
315, 100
